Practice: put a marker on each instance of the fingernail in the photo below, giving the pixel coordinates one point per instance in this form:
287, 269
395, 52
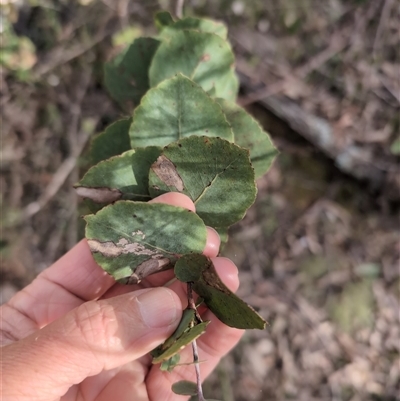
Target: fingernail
159, 307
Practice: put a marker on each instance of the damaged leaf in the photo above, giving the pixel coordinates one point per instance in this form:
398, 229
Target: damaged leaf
186, 338
249, 134
187, 320
228, 308
175, 109
207, 170
204, 57
112, 142
120, 177
131, 240
126, 76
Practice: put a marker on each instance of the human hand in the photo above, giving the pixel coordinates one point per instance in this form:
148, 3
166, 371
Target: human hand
75, 334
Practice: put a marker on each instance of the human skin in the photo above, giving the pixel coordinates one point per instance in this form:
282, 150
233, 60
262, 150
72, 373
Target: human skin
75, 334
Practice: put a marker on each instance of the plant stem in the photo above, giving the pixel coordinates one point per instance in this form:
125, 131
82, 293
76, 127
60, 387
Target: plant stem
197, 369
192, 305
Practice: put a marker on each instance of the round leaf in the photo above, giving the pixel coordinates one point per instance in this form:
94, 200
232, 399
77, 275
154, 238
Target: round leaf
228, 308
184, 387
228, 87
216, 174
120, 177
249, 134
113, 141
126, 76
204, 57
163, 19
131, 240
198, 24
175, 109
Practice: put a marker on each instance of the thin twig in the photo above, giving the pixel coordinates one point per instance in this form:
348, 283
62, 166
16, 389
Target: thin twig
192, 305
197, 369
69, 164
59, 55
58, 178
72, 136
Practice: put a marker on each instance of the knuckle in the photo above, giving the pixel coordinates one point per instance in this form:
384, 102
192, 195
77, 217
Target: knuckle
94, 323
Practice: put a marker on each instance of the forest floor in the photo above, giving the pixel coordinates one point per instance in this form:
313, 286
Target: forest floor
318, 253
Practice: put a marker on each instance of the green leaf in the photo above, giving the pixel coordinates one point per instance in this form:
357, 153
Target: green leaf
131, 240
216, 174
120, 177
249, 134
174, 109
170, 363
197, 24
126, 76
228, 308
187, 337
204, 57
184, 387
228, 86
163, 19
223, 233
184, 325
112, 142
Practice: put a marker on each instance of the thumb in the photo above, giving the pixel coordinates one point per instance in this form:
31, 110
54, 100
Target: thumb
96, 336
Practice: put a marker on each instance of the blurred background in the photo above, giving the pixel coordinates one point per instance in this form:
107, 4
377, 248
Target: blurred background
319, 251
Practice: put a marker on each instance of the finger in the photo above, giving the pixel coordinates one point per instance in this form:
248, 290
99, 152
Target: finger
54, 292
176, 199
213, 243
80, 275
72, 280
226, 270
96, 336
217, 341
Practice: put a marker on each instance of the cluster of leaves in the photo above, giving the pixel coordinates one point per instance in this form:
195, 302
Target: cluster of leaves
186, 135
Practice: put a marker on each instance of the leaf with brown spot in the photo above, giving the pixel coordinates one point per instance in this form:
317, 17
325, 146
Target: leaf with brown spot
216, 174
165, 170
131, 240
120, 177
228, 308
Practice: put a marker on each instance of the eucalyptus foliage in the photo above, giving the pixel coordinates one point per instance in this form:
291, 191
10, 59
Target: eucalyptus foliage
186, 134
